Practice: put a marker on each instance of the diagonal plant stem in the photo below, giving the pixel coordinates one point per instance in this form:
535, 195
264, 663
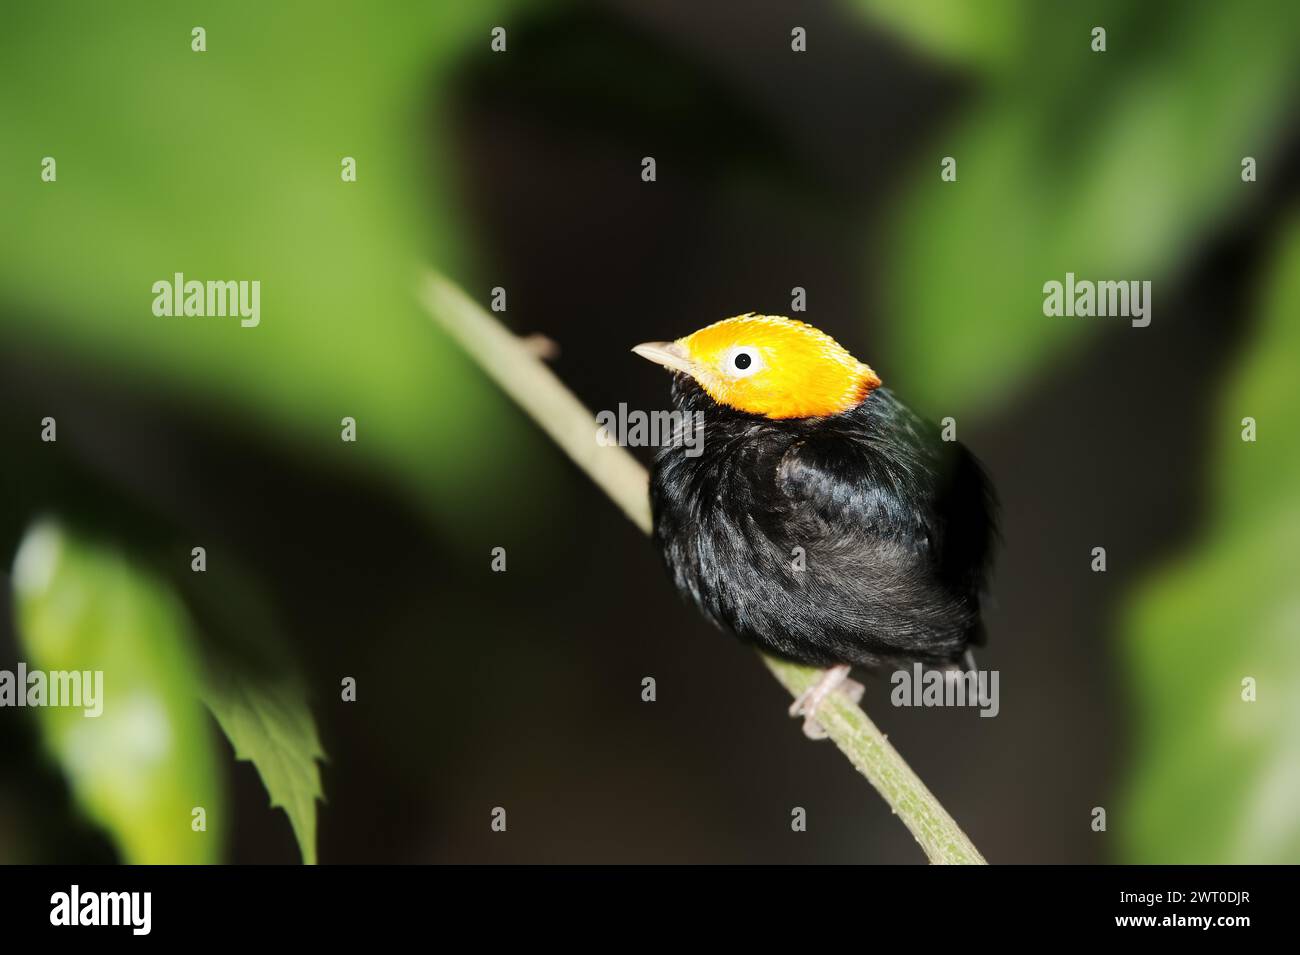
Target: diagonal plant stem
562, 416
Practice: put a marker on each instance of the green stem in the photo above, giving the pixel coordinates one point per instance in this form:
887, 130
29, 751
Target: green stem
539, 392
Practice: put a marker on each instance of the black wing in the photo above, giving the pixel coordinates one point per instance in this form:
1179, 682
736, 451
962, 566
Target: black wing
898, 526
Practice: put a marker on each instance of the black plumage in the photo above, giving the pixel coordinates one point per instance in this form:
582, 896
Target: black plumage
896, 528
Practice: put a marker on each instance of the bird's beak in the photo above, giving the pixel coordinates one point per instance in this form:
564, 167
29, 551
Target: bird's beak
669, 354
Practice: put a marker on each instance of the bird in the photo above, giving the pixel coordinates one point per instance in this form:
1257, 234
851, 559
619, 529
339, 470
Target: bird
817, 517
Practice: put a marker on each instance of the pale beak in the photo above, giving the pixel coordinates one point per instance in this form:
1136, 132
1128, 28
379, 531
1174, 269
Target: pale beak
669, 354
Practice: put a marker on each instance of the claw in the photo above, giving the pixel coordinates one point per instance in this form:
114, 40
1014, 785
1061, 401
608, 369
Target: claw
806, 705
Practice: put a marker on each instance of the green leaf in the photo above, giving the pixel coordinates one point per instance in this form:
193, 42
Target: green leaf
254, 692
143, 765
269, 723
1215, 778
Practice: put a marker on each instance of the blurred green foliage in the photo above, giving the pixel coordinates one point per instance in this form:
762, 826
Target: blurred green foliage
1116, 165
1216, 778
141, 766
149, 759
1110, 165
986, 35
226, 164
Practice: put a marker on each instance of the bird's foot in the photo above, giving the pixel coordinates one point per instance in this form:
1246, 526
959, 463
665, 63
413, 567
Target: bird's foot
832, 679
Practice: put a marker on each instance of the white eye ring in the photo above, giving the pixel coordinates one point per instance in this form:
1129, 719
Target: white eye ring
743, 361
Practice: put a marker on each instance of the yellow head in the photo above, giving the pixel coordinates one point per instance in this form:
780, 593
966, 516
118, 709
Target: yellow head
768, 365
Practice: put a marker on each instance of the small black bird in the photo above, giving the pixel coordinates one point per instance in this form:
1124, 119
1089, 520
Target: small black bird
819, 518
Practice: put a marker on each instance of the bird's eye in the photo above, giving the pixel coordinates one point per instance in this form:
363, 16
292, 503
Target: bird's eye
743, 361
